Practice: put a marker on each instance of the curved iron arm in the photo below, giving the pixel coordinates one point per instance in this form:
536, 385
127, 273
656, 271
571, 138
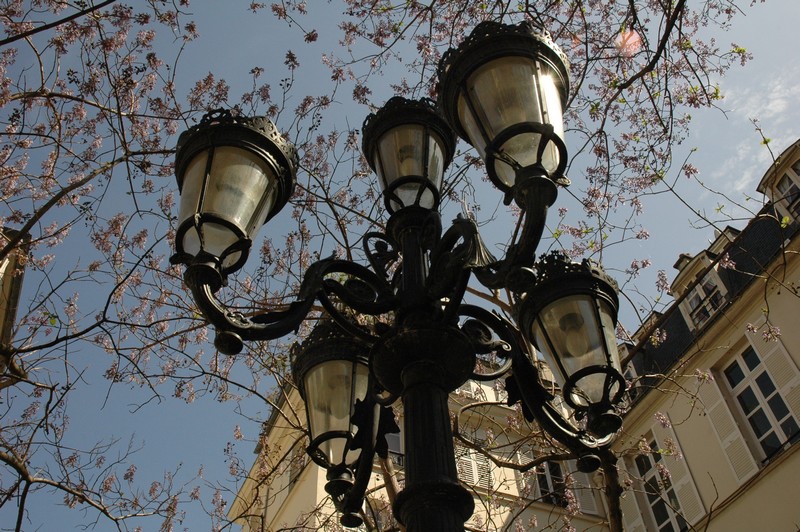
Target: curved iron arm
479, 330
525, 385
534, 194
363, 291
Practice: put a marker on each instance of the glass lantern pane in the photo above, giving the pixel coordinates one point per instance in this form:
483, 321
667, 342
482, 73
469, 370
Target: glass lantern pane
400, 153
242, 188
191, 190
435, 161
192, 187
216, 239
504, 93
329, 388
570, 337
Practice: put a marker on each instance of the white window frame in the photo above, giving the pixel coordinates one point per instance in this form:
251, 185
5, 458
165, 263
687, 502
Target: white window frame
787, 191
633, 378
703, 300
754, 383
546, 483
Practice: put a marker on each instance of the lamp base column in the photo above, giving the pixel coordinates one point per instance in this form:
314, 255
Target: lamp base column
433, 499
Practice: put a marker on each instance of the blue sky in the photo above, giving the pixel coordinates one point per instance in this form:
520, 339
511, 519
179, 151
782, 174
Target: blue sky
730, 158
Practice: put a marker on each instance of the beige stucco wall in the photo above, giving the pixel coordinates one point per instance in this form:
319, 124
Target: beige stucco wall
766, 500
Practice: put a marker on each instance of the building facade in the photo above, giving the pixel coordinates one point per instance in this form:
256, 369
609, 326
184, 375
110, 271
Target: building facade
709, 438
286, 491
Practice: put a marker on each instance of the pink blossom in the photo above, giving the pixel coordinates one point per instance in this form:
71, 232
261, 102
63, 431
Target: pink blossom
726, 262
662, 419
628, 42
130, 473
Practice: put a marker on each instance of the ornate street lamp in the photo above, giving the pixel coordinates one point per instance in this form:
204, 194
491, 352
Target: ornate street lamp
570, 314
332, 374
408, 145
234, 173
330, 368
503, 90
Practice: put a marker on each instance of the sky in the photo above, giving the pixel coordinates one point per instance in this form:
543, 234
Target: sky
730, 157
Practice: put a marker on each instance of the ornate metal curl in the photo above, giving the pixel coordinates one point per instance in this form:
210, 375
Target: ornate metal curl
382, 252
360, 290
481, 328
460, 250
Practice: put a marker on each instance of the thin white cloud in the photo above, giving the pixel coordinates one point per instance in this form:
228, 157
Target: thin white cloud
773, 100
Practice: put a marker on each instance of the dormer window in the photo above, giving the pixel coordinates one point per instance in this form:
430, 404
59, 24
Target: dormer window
781, 182
788, 192
703, 301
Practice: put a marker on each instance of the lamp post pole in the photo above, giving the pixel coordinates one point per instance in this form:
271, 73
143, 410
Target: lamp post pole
422, 359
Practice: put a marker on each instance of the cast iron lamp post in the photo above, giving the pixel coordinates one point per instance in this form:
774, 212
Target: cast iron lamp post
503, 91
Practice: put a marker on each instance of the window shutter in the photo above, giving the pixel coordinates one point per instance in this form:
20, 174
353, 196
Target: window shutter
483, 470
473, 468
730, 437
631, 515
466, 471
682, 482
584, 490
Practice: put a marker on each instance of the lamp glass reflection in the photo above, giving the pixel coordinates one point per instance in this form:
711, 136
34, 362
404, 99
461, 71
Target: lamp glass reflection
331, 389
574, 333
239, 189
402, 153
506, 92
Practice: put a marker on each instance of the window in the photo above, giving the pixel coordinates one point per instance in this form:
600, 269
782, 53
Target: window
546, 482
665, 509
664, 497
296, 465
787, 190
395, 441
772, 423
632, 380
552, 487
704, 299
473, 468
